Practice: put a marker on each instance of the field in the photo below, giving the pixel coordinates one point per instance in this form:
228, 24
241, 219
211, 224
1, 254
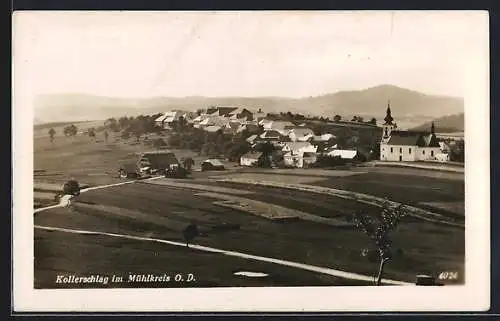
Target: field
161, 211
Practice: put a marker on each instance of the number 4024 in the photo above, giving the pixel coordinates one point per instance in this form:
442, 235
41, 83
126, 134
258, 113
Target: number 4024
448, 276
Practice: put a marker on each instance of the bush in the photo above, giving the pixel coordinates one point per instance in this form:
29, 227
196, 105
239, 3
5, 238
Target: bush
159, 143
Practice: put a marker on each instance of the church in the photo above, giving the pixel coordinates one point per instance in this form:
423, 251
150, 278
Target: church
406, 146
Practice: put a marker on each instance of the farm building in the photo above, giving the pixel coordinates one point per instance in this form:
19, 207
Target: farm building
407, 146
250, 158
351, 155
443, 157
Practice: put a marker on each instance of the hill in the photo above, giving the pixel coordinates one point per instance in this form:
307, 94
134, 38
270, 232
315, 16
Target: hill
371, 102
445, 124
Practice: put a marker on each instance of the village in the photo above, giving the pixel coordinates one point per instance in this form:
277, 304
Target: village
298, 141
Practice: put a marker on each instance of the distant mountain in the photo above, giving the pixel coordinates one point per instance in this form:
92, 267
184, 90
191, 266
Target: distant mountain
369, 102
445, 124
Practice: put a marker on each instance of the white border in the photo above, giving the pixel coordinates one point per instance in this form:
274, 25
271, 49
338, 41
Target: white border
473, 296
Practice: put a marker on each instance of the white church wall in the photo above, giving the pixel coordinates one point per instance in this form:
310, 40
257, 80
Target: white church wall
428, 153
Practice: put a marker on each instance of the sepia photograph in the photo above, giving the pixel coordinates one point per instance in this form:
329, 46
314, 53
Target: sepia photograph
251, 151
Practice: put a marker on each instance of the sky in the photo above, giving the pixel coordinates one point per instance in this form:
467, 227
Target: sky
290, 54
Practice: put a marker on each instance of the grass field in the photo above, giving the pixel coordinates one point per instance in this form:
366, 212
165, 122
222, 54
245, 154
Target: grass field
162, 211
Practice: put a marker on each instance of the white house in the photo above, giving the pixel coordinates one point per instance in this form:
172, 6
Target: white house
343, 153
273, 135
281, 126
214, 121
166, 120
407, 146
443, 157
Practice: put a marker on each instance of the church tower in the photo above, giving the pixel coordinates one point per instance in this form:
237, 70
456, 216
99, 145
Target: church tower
389, 124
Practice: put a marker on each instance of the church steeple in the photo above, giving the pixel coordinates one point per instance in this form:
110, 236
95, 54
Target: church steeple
433, 129
388, 117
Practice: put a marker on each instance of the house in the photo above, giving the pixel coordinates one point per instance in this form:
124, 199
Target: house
230, 128
409, 146
443, 157
445, 148
278, 125
300, 134
197, 120
308, 158
241, 113
271, 135
299, 154
325, 137
298, 147
250, 158
252, 128
214, 121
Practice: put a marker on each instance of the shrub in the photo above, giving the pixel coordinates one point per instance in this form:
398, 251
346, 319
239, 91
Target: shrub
378, 230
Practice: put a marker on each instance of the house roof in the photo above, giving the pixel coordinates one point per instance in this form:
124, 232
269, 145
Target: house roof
302, 131
238, 111
160, 159
265, 121
295, 146
212, 129
221, 111
344, 154
279, 125
327, 136
214, 120
252, 154
270, 134
161, 118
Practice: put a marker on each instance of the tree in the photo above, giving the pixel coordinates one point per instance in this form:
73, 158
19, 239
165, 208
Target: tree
52, 133
378, 230
112, 124
373, 121
354, 118
337, 118
190, 233
457, 151
360, 119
